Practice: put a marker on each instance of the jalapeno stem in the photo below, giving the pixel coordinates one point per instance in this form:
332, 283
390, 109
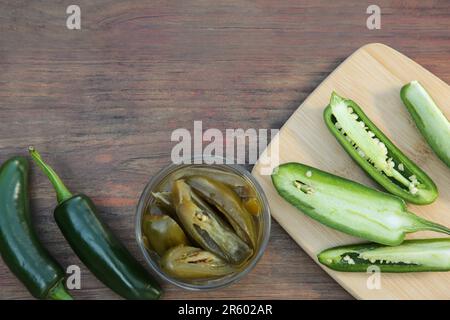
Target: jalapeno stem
58, 292
431, 226
62, 193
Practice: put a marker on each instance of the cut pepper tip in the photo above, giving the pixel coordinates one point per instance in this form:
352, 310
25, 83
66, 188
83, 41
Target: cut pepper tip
335, 98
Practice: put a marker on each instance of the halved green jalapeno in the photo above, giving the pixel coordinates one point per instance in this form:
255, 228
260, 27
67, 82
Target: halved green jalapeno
206, 228
348, 206
163, 233
193, 263
411, 256
430, 120
376, 154
228, 203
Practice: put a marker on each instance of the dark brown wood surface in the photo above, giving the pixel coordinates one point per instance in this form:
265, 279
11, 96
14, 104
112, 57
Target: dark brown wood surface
101, 103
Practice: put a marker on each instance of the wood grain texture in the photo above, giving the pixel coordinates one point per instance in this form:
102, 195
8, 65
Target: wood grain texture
101, 103
372, 77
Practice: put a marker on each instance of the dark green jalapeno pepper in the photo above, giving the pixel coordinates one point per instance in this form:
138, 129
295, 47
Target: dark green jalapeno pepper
348, 206
184, 262
376, 154
228, 203
95, 244
20, 247
206, 228
411, 256
429, 119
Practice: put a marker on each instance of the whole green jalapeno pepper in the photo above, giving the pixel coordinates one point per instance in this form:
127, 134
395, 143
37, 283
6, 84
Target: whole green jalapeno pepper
421, 255
94, 243
430, 120
348, 206
206, 228
376, 154
20, 247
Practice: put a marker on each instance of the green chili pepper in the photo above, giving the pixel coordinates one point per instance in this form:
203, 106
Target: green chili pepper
193, 263
411, 256
20, 247
95, 244
206, 228
228, 203
430, 120
163, 233
376, 154
348, 206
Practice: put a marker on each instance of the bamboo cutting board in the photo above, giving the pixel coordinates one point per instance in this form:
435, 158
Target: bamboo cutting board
372, 76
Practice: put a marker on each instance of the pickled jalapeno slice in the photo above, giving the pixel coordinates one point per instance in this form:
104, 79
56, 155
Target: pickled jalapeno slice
163, 233
207, 229
228, 203
186, 262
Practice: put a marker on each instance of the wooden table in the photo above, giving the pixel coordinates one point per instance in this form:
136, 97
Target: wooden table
100, 103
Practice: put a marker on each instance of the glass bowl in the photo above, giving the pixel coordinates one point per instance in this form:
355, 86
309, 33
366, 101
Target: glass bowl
152, 258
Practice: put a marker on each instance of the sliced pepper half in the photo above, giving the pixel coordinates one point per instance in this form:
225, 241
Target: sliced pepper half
411, 256
376, 154
185, 262
430, 120
348, 206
